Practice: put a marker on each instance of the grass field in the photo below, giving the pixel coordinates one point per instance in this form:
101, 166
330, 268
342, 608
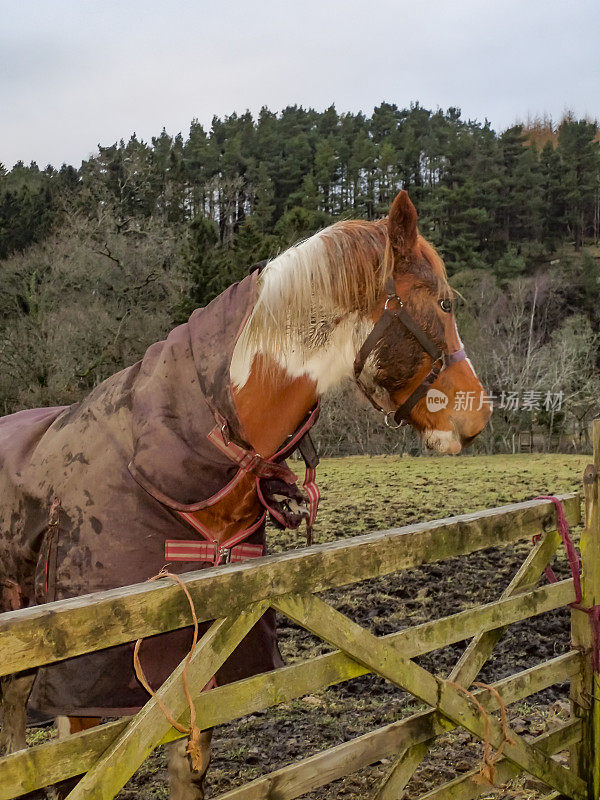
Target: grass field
361, 494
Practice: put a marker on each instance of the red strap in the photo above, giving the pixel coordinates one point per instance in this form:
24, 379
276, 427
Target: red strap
246, 550
188, 550
314, 495
593, 612
272, 510
249, 461
563, 529
212, 551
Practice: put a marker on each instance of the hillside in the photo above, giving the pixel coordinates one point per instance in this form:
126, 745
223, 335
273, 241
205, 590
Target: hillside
99, 261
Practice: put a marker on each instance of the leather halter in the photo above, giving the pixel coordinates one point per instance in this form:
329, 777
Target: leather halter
440, 359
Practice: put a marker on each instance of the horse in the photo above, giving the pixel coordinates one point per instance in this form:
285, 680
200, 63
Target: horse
190, 442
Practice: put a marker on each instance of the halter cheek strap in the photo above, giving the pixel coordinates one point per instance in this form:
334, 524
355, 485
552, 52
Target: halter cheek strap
441, 360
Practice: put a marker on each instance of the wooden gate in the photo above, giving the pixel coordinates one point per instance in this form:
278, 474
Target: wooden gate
107, 756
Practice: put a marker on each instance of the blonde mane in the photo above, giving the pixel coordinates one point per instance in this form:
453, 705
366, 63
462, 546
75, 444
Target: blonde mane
316, 297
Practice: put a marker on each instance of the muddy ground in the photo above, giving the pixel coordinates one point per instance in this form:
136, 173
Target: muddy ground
365, 494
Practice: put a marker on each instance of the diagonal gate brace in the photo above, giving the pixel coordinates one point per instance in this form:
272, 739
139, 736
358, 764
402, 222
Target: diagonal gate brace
474, 657
386, 660
146, 730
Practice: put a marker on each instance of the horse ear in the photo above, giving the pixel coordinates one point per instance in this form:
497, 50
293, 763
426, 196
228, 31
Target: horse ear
402, 224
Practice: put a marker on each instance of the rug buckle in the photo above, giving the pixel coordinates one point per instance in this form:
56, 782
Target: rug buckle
222, 554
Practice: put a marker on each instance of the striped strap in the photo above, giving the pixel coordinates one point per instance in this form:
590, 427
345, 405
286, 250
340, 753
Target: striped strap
209, 552
314, 495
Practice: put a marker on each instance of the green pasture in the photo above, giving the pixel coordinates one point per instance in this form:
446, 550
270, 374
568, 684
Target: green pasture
362, 493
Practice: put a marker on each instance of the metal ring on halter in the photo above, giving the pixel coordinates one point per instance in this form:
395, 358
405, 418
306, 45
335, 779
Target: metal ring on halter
386, 419
393, 297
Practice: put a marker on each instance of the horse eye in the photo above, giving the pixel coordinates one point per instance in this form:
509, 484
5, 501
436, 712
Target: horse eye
446, 305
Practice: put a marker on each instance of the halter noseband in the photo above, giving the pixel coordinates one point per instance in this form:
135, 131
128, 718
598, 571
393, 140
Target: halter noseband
440, 359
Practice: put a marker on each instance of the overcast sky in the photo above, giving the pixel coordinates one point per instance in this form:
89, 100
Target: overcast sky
75, 73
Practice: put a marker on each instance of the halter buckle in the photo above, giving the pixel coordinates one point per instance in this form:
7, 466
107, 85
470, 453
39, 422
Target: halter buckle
438, 365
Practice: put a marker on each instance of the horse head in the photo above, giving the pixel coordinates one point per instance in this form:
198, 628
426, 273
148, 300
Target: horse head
419, 361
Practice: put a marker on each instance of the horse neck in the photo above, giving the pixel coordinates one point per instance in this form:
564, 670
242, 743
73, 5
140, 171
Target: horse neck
274, 392
272, 404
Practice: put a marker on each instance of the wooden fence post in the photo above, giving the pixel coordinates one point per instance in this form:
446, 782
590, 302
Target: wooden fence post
585, 688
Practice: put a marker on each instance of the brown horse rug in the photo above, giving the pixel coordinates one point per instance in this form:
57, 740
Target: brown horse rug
92, 496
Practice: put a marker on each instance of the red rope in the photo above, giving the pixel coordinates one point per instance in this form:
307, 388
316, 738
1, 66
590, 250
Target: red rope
563, 529
593, 612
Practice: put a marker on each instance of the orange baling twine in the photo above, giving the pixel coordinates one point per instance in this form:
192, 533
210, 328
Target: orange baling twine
488, 771
194, 747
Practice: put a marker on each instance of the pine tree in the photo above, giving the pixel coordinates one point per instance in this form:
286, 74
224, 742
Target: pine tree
202, 263
579, 151
551, 177
325, 171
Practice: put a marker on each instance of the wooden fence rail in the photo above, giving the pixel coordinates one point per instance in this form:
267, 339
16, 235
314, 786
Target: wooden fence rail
108, 755
44, 634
